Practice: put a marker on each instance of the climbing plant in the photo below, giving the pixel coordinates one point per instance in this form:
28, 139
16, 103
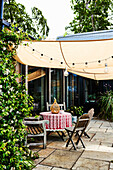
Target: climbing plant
14, 106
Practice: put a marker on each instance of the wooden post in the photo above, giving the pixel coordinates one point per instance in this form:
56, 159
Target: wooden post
64, 87
26, 80
49, 85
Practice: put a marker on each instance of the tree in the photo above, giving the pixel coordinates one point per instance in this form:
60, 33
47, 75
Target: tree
36, 25
90, 15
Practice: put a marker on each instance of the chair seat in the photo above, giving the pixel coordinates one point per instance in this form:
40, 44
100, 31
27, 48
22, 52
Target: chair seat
70, 129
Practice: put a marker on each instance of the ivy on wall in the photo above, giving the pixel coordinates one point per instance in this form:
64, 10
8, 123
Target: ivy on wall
14, 106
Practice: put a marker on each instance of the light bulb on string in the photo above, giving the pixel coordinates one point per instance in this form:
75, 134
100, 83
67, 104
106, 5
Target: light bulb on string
86, 64
99, 61
106, 68
61, 63
33, 51
66, 72
73, 65
41, 56
51, 59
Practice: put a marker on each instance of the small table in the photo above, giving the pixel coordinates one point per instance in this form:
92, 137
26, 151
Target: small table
57, 122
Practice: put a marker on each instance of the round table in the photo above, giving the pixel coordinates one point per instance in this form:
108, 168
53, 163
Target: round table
57, 121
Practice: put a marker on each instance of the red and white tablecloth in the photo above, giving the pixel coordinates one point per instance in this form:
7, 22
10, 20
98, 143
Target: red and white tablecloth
57, 121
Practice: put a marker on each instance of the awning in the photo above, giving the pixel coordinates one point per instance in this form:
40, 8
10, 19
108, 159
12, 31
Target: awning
35, 75
85, 58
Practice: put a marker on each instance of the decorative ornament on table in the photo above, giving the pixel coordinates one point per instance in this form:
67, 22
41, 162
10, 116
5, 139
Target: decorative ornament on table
55, 107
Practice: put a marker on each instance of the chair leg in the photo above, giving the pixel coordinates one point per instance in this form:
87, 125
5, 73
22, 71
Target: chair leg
86, 134
70, 139
79, 139
61, 136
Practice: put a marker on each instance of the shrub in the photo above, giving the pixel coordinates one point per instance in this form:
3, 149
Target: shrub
76, 111
106, 104
13, 106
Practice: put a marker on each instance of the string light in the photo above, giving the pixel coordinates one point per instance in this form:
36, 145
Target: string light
86, 63
41, 55
65, 72
106, 68
51, 59
73, 64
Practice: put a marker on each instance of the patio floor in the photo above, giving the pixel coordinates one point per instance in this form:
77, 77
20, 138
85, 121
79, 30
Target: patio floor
97, 155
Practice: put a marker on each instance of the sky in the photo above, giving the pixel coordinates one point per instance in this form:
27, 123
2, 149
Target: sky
57, 12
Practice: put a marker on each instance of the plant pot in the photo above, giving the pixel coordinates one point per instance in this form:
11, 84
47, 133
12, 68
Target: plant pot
74, 119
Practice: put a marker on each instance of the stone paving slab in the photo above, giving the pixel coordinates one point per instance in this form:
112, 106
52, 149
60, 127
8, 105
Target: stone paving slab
93, 129
109, 130
58, 169
59, 145
97, 125
108, 137
106, 144
45, 152
111, 123
37, 161
90, 164
104, 156
105, 149
62, 159
41, 167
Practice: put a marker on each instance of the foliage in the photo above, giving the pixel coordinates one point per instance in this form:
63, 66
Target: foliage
106, 104
92, 96
76, 111
90, 15
36, 25
14, 106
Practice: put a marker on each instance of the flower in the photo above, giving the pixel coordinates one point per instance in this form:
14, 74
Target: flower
7, 72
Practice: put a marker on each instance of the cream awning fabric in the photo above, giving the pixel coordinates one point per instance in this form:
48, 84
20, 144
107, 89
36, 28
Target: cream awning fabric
71, 54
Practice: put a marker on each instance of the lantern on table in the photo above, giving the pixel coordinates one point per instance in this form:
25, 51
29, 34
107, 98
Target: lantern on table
55, 107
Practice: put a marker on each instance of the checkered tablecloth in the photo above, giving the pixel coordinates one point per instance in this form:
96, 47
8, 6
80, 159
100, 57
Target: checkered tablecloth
57, 121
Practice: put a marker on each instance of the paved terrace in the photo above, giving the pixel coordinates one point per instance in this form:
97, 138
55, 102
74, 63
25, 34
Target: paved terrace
97, 155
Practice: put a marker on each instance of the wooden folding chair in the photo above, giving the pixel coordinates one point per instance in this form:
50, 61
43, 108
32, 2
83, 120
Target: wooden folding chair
88, 115
78, 131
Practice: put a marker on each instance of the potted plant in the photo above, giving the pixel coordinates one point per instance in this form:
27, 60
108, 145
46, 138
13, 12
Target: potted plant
92, 97
76, 112
106, 105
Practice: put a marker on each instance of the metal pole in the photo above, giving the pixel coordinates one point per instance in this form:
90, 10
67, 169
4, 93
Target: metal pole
1, 13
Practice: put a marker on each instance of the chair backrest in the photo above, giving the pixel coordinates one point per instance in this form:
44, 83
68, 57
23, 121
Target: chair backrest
62, 106
81, 124
89, 115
